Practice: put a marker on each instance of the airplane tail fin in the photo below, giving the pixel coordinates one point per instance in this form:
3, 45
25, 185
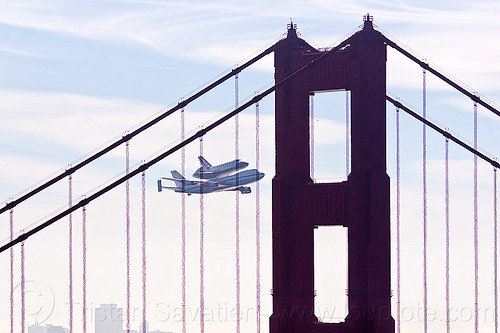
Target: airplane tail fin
177, 175
204, 162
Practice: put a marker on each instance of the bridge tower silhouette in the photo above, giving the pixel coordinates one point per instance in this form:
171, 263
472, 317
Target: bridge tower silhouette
362, 203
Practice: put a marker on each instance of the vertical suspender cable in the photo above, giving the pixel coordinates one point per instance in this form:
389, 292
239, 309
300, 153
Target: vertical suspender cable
127, 227
257, 214
237, 224
476, 241
424, 181
23, 291
495, 246
447, 228
398, 225
183, 228
70, 252
202, 259
311, 110
84, 268
144, 326
11, 217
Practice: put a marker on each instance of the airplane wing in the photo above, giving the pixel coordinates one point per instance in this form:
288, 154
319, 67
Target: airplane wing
185, 180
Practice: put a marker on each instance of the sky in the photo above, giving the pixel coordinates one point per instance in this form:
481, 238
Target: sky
77, 75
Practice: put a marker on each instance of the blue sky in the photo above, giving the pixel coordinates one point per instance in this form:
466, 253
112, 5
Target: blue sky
75, 75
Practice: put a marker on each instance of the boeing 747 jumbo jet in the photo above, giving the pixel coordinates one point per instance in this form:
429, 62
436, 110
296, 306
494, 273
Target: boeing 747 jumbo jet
229, 183
207, 171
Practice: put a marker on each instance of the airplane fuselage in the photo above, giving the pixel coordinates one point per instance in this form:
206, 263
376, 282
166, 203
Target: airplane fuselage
228, 183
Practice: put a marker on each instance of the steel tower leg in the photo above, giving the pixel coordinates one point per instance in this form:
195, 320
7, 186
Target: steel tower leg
362, 203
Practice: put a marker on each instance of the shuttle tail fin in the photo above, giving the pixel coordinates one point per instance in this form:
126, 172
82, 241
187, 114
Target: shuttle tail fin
204, 162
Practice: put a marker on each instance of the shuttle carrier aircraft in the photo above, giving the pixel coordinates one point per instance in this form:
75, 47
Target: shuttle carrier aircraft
219, 178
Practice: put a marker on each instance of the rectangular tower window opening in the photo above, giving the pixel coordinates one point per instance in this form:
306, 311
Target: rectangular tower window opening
330, 273
329, 136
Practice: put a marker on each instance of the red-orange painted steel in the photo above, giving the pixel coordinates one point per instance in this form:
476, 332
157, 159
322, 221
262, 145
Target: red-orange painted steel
361, 203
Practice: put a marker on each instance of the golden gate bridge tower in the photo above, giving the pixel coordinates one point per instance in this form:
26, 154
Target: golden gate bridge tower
362, 203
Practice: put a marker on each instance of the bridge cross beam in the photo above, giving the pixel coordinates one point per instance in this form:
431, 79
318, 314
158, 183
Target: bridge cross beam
362, 203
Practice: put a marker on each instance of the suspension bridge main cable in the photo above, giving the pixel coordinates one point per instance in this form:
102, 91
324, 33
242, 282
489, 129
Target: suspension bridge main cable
172, 150
137, 131
447, 134
476, 153
427, 67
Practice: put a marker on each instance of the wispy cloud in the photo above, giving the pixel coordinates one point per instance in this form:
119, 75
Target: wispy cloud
224, 33
66, 118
